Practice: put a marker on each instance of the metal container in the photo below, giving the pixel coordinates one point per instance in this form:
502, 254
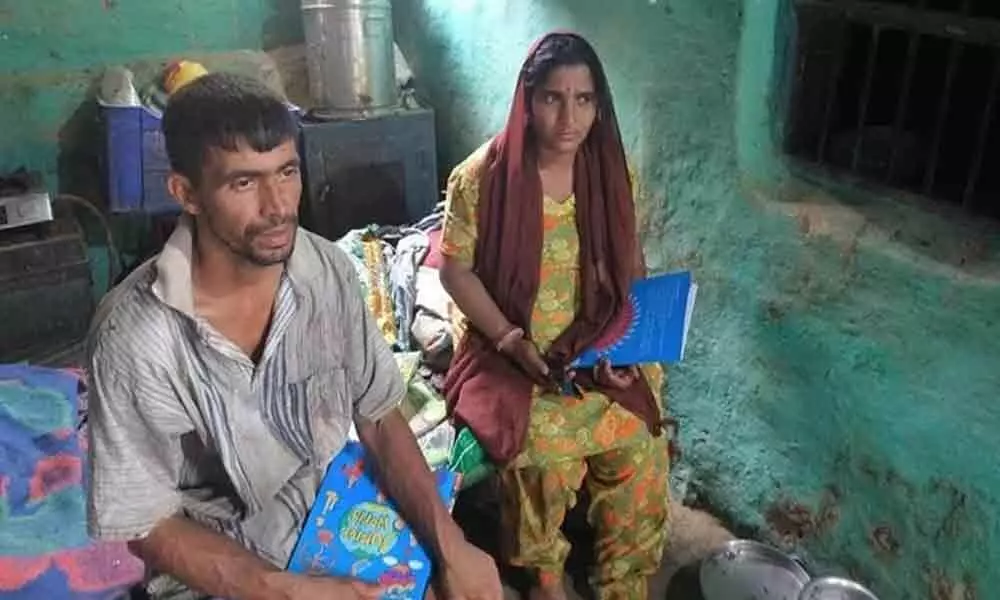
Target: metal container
748, 570
835, 588
349, 53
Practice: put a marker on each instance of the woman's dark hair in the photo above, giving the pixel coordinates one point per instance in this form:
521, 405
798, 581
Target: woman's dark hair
565, 50
222, 110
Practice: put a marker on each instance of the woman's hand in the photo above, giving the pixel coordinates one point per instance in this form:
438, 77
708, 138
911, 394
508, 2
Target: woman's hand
615, 378
524, 353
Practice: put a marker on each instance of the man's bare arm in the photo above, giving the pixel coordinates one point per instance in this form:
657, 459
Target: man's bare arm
406, 478
214, 564
208, 561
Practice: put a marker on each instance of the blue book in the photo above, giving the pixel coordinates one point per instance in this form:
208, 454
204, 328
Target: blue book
354, 531
654, 326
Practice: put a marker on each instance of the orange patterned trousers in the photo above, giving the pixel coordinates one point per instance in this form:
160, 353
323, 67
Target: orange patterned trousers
625, 471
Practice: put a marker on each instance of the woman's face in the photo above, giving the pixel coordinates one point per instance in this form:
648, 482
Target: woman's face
563, 109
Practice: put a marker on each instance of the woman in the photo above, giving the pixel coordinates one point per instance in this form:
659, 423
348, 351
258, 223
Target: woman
540, 249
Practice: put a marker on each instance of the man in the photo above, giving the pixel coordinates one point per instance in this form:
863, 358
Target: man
226, 373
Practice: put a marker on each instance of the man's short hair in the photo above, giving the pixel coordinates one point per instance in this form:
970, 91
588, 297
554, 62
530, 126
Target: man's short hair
222, 110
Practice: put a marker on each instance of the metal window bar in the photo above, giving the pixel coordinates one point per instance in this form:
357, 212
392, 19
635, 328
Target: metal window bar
903, 106
954, 54
959, 28
984, 134
937, 23
866, 94
831, 99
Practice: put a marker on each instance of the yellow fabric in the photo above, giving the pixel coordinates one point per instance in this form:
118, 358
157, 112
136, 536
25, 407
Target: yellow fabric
378, 299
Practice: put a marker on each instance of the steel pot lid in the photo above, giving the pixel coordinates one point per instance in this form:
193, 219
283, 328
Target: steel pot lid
835, 588
748, 570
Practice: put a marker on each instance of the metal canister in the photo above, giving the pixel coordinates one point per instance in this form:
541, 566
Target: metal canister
349, 53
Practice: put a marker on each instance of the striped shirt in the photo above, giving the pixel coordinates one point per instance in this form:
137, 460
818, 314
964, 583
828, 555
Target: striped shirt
183, 422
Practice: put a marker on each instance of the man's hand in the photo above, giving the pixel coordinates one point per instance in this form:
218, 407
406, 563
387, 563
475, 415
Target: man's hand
619, 379
464, 571
321, 588
469, 574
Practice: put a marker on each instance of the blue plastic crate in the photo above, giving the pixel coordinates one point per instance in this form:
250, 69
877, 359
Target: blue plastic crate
137, 164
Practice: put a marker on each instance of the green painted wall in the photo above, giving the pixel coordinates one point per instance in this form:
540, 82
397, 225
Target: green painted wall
840, 387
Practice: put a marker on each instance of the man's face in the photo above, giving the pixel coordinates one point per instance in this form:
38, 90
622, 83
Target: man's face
249, 201
563, 109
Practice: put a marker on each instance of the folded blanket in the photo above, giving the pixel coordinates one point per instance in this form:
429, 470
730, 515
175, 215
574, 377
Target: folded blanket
44, 548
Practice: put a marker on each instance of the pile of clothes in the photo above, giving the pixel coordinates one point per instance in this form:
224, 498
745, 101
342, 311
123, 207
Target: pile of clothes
399, 272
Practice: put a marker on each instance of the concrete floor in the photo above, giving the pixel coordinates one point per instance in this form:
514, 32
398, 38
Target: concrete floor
694, 534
